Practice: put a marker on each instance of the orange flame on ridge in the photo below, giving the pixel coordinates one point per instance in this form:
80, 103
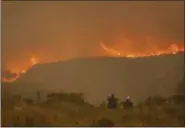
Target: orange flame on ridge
172, 49
111, 51
33, 61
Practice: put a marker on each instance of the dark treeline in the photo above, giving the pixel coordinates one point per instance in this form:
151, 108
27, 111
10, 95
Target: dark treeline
154, 111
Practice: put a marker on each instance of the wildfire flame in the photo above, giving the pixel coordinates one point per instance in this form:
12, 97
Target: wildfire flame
33, 60
111, 51
9, 80
172, 49
23, 71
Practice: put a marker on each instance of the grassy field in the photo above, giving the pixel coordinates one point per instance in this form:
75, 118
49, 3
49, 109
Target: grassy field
71, 111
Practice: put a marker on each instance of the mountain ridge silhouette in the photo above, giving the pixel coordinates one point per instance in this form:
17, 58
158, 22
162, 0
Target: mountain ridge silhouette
100, 76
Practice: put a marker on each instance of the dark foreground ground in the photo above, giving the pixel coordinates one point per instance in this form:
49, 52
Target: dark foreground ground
71, 110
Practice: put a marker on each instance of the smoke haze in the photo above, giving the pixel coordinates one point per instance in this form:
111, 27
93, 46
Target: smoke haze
62, 30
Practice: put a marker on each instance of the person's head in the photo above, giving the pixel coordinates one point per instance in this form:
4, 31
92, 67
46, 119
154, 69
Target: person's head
128, 97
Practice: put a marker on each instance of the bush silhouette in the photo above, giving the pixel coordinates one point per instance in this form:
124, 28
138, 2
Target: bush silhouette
66, 97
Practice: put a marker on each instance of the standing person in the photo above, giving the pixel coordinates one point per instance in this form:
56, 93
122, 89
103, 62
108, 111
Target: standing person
112, 102
128, 103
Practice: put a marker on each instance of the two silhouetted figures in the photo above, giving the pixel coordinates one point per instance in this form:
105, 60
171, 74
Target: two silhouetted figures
113, 102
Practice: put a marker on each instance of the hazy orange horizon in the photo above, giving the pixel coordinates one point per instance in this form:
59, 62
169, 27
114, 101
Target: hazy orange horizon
43, 31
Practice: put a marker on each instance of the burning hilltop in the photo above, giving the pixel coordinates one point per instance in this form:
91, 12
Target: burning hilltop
151, 76
13, 74
171, 49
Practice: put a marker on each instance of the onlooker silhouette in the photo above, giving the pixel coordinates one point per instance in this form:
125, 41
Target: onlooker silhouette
128, 103
112, 102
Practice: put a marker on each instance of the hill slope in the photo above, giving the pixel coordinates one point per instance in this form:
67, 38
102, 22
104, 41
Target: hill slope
98, 77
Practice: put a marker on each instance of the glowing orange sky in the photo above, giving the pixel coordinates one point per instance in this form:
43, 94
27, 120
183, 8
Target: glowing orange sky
171, 49
39, 32
105, 51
